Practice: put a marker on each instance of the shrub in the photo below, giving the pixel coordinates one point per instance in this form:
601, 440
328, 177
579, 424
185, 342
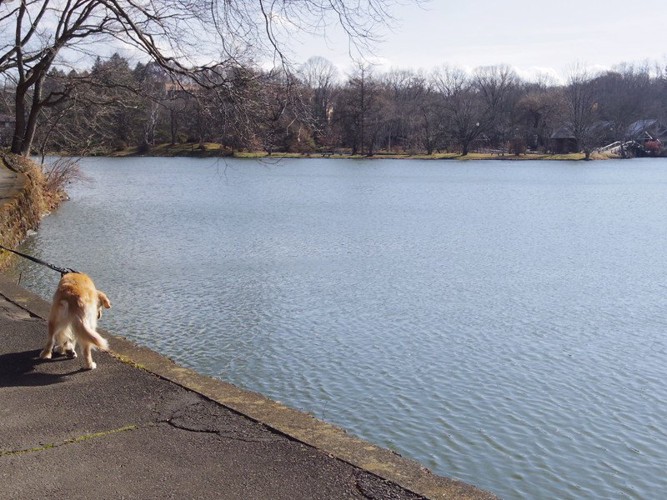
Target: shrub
517, 146
58, 175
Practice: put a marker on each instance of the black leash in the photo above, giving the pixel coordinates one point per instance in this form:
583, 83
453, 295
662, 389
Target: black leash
61, 270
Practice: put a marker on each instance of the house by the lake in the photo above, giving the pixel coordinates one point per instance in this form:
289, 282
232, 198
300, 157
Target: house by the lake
649, 134
646, 129
563, 140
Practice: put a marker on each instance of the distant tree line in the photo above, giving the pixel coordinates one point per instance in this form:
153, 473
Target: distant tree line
112, 106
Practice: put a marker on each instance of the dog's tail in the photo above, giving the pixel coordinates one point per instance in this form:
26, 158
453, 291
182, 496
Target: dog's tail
89, 335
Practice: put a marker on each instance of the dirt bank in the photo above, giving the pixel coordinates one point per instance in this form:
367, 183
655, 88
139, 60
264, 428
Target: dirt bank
24, 200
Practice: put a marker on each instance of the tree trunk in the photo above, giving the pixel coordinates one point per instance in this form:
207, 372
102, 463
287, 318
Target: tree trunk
31, 126
24, 129
20, 124
173, 126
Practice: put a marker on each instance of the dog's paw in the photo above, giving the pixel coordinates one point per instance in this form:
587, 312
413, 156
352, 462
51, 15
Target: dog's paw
45, 354
91, 366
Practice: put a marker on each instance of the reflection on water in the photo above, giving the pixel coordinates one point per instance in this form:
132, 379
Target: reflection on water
502, 322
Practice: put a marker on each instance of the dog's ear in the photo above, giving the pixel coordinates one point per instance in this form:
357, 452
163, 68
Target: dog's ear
103, 300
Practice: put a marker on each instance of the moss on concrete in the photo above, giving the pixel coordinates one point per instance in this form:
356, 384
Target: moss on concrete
74, 440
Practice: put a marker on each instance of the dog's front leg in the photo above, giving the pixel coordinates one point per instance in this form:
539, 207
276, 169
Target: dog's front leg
88, 363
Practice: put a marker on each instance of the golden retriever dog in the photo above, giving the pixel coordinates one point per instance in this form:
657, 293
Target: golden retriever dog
77, 305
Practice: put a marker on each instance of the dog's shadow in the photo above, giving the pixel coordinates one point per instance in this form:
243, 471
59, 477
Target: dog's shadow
17, 369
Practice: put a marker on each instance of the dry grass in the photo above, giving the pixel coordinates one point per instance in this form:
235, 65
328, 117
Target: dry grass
57, 176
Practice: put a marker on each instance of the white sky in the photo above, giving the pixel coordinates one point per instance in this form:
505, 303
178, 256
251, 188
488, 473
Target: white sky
532, 36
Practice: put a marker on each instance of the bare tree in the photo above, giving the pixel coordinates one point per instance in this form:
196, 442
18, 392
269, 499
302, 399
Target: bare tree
185, 38
320, 77
497, 86
403, 92
462, 106
539, 111
624, 96
582, 108
104, 109
359, 109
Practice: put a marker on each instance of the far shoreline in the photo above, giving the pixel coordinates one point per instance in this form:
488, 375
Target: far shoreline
213, 150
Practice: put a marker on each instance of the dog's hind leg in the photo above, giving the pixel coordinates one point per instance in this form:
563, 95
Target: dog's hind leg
57, 326
65, 343
69, 348
51, 341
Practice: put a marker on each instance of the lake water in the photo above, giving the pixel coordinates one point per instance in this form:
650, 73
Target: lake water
502, 322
